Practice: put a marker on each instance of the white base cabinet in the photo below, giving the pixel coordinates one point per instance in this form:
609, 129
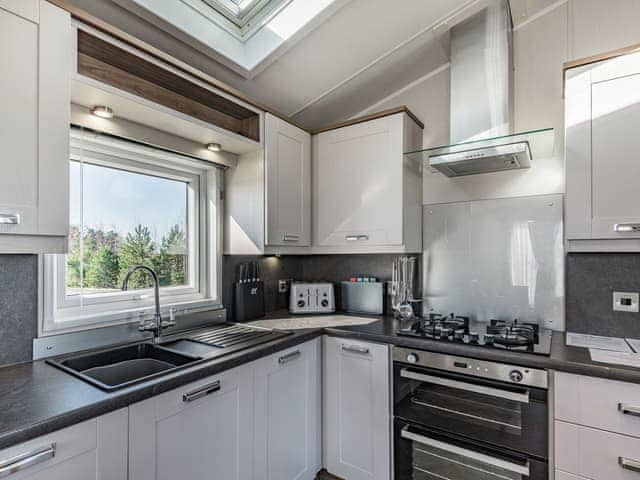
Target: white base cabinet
288, 414
259, 421
201, 431
36, 55
356, 410
92, 450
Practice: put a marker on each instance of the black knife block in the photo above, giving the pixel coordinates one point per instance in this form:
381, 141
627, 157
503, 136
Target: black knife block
248, 301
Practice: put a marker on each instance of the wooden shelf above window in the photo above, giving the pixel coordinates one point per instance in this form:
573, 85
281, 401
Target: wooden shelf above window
107, 63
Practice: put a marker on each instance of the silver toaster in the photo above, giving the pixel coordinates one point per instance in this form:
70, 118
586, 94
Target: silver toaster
312, 298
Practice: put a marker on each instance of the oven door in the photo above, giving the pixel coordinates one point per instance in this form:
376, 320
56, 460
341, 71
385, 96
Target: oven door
421, 454
507, 416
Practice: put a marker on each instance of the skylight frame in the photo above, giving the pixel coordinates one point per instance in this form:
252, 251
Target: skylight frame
241, 21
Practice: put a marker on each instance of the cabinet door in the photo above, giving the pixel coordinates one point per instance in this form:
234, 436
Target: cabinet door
25, 8
92, 450
287, 183
358, 175
201, 431
356, 410
18, 124
287, 415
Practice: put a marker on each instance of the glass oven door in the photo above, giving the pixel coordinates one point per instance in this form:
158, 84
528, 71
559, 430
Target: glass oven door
422, 454
507, 416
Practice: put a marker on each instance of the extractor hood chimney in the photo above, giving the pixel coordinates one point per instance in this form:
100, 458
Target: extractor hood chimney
482, 99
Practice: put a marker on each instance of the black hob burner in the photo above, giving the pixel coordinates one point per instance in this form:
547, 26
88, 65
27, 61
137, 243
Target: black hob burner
504, 334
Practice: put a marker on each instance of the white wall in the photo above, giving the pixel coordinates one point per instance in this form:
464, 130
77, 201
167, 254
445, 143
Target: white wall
567, 30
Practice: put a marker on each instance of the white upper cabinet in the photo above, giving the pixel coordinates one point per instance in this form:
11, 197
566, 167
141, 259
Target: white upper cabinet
367, 196
287, 414
198, 432
356, 409
92, 450
602, 170
288, 183
268, 194
35, 53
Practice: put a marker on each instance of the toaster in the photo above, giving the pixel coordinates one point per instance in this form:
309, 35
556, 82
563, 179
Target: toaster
312, 298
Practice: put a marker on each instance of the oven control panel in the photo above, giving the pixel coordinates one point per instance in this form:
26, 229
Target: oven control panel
469, 366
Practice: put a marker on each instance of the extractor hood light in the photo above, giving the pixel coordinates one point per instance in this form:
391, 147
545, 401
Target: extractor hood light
214, 147
102, 111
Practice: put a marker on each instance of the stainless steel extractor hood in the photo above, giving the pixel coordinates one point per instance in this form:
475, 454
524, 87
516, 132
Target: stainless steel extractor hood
482, 100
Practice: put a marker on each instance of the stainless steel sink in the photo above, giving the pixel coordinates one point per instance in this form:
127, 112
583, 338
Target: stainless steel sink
120, 367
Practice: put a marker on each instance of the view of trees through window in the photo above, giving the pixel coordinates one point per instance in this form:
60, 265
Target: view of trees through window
120, 219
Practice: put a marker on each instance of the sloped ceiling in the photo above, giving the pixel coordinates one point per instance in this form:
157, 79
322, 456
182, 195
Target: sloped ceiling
364, 52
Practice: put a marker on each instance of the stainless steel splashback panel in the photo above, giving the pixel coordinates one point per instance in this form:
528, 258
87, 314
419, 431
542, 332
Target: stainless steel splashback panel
500, 259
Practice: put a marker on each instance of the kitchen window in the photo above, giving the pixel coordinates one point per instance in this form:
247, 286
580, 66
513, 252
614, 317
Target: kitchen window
129, 205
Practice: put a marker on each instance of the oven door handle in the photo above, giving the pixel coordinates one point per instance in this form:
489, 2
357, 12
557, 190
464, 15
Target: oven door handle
522, 469
469, 387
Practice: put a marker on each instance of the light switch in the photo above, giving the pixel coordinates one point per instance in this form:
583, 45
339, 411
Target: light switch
625, 302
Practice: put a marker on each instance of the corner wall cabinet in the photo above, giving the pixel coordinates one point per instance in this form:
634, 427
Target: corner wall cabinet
35, 53
257, 421
367, 196
602, 115
268, 194
356, 409
92, 450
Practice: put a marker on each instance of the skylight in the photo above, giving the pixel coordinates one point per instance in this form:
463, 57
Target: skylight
246, 16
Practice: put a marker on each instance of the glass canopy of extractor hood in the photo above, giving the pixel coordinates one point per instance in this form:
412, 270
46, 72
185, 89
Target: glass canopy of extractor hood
541, 143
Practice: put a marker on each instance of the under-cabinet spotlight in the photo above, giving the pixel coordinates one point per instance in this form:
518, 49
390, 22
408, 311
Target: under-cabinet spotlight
102, 111
214, 147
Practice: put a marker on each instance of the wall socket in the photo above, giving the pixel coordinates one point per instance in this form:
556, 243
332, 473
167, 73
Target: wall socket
283, 286
625, 302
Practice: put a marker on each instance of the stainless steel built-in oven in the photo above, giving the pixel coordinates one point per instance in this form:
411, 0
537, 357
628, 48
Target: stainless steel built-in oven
463, 419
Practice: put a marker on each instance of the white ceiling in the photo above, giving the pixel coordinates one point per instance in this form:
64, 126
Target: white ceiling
364, 52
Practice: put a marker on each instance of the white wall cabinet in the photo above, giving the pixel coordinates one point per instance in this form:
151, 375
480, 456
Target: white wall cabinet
92, 450
356, 409
201, 431
602, 115
367, 196
288, 414
268, 194
35, 52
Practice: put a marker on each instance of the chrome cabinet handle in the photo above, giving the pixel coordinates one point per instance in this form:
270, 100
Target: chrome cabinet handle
465, 452
26, 460
288, 237
10, 218
355, 349
356, 238
469, 387
629, 409
626, 227
629, 464
201, 392
288, 357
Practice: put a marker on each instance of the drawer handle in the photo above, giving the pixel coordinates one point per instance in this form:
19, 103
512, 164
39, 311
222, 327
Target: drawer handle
629, 464
356, 238
10, 218
288, 237
626, 227
26, 460
355, 349
288, 357
629, 409
201, 392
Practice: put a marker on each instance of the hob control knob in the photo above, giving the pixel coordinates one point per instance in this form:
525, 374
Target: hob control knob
412, 358
325, 303
516, 376
301, 303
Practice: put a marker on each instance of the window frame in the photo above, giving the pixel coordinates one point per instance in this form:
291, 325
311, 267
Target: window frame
65, 313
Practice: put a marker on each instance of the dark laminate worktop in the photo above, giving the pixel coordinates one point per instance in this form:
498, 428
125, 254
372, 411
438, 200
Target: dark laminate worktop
36, 398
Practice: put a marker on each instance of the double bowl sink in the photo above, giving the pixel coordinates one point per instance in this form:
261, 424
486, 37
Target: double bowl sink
121, 367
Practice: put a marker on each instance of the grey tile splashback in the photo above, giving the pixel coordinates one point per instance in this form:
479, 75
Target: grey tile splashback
18, 307
591, 279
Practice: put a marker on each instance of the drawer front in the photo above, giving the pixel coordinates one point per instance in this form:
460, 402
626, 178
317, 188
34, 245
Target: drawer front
560, 475
596, 402
596, 454
47, 452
